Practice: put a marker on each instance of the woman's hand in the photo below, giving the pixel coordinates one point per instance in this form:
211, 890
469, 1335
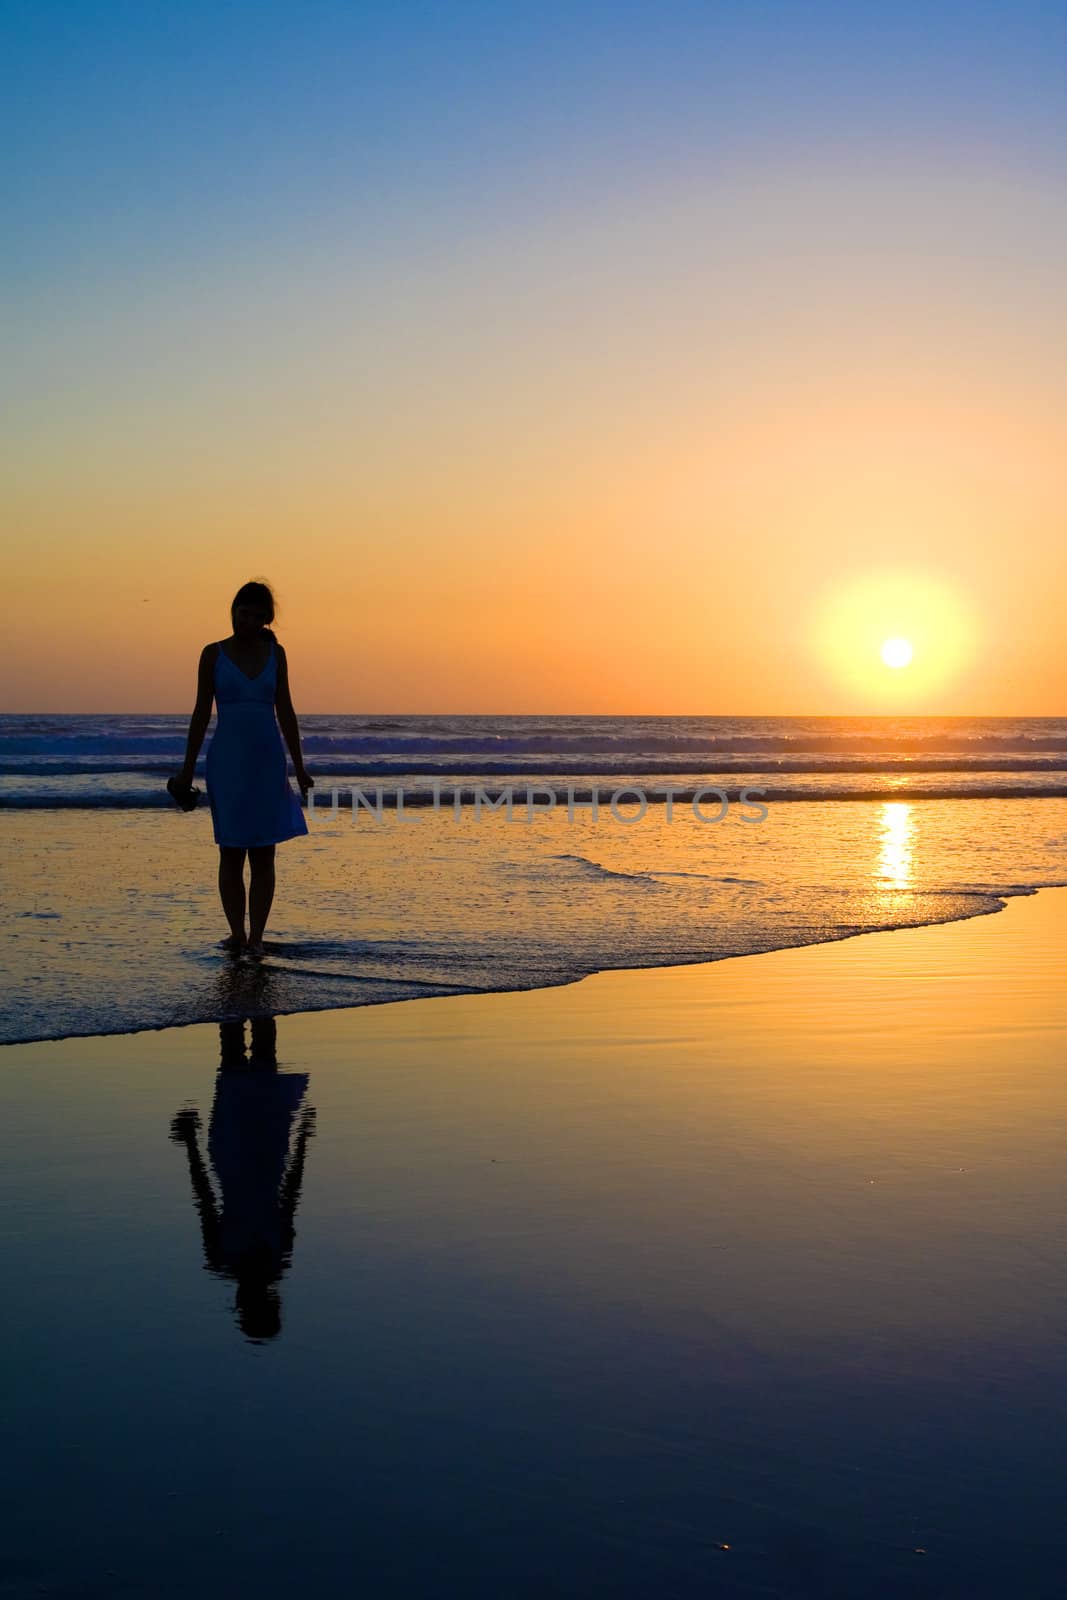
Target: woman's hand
305, 781
182, 793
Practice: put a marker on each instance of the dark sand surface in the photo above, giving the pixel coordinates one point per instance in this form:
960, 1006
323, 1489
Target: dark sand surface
745, 1279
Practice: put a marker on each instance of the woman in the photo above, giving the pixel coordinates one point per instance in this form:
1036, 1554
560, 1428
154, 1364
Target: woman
252, 806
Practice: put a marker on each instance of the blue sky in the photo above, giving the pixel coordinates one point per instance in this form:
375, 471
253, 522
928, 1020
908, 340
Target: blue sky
131, 129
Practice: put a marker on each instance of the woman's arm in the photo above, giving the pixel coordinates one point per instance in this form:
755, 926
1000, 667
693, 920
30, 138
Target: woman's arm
205, 694
289, 1191
283, 705
183, 1130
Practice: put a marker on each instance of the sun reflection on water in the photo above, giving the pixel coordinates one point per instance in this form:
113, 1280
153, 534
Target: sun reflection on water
895, 861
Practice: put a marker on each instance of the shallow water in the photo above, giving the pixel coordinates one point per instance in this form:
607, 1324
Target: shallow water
110, 921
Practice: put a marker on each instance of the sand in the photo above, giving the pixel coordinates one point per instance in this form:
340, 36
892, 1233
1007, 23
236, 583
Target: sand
737, 1279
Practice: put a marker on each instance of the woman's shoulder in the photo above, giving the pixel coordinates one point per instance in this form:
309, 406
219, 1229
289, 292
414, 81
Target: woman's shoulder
209, 656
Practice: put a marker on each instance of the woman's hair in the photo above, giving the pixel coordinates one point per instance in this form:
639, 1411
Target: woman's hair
254, 594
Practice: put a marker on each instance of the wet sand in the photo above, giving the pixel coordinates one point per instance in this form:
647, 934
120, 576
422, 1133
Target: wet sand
739, 1279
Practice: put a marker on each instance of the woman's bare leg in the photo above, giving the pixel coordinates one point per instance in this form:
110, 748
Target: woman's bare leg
260, 892
232, 891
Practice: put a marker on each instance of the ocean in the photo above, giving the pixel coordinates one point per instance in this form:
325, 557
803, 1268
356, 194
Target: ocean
110, 920
122, 761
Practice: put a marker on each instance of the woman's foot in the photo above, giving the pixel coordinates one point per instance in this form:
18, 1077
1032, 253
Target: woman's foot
234, 944
254, 950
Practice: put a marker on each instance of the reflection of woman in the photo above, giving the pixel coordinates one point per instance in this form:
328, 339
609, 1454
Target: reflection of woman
248, 1230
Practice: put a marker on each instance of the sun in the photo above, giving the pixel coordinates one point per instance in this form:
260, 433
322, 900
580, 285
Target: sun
893, 639
897, 652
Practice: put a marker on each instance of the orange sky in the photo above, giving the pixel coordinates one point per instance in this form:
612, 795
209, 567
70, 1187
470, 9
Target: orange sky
694, 443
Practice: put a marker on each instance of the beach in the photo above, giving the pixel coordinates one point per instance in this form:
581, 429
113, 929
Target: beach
743, 1278
533, 800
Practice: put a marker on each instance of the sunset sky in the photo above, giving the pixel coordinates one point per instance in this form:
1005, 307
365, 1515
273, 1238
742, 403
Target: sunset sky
547, 358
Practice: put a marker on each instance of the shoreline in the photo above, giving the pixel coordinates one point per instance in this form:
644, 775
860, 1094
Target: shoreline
1001, 898
112, 923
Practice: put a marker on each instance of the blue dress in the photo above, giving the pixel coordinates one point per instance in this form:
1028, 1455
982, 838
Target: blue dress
245, 767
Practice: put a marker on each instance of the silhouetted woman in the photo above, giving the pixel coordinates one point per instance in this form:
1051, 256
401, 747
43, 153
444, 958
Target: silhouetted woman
253, 807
